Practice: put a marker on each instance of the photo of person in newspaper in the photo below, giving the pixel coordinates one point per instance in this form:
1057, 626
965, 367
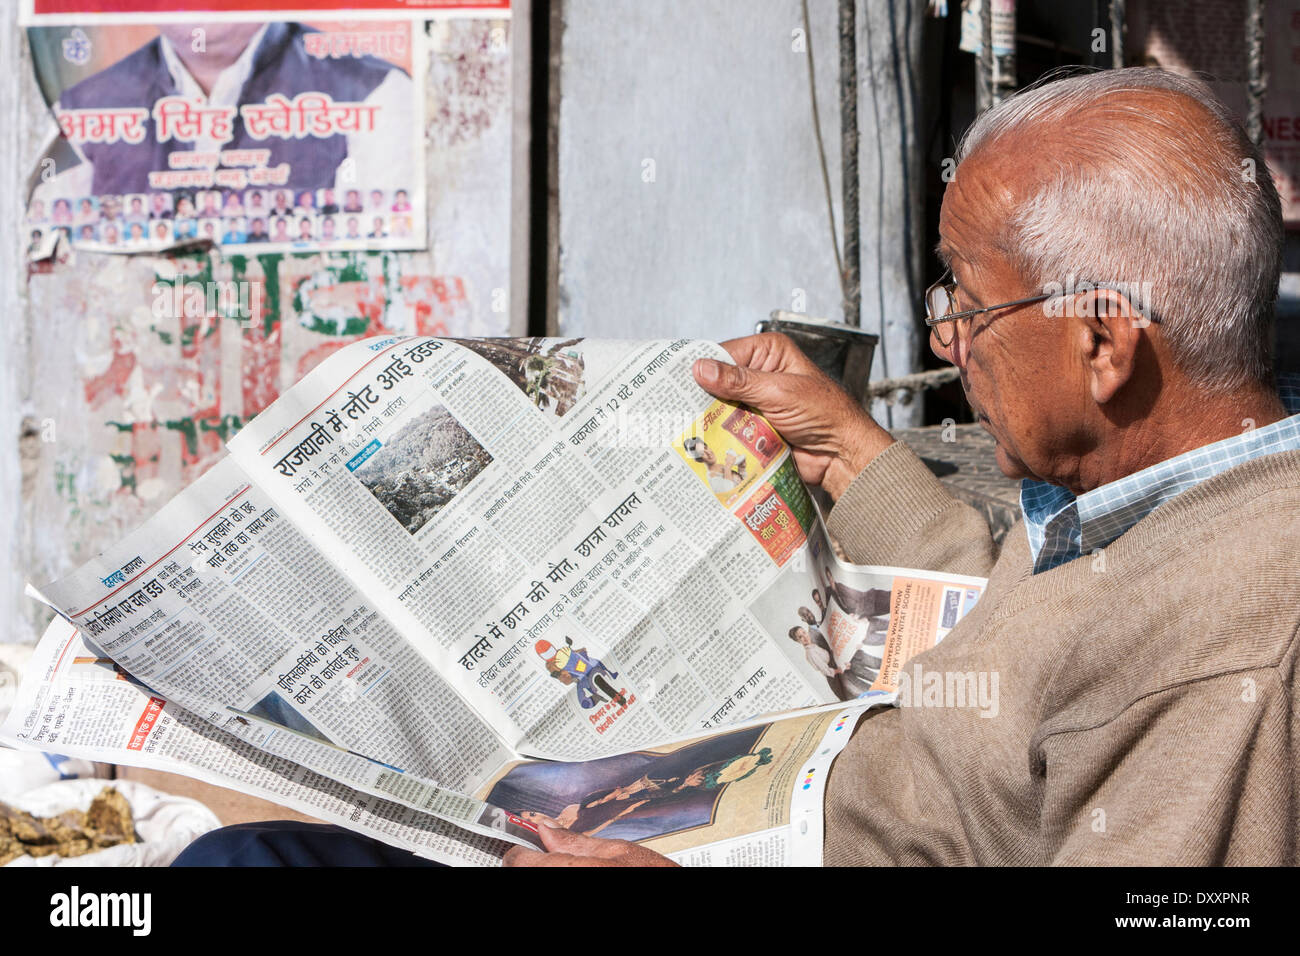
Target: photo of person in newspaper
848, 680
845, 649
228, 105
725, 475
818, 654
728, 450
865, 611
635, 796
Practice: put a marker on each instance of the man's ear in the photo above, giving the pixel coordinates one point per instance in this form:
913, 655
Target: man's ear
1110, 328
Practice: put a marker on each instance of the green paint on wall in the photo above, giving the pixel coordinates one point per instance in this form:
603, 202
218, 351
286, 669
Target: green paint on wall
126, 469
225, 427
189, 430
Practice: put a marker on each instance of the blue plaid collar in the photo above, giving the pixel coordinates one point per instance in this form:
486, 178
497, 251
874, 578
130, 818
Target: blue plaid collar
1062, 527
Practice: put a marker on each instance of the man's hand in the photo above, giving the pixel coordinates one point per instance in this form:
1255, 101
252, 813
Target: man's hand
565, 848
831, 436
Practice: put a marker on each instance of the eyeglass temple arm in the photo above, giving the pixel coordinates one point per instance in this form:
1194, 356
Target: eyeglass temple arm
951, 316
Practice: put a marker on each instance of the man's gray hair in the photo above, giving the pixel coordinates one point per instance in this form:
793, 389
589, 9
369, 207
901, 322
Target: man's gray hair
1176, 199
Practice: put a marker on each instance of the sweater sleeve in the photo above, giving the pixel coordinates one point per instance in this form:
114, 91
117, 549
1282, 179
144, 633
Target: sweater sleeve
895, 512
1196, 775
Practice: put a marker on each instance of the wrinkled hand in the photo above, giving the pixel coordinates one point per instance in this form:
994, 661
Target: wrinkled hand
832, 438
565, 848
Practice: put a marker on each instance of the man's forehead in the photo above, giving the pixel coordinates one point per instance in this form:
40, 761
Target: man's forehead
978, 201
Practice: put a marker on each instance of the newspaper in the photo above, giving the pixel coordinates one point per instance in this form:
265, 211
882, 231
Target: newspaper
432, 558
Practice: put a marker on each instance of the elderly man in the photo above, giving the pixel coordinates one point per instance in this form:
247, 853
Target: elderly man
1113, 244
1143, 615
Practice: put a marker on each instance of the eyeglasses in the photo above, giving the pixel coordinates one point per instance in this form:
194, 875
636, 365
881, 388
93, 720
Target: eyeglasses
947, 324
940, 303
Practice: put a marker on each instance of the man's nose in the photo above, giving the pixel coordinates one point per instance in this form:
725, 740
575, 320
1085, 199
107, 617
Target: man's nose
947, 353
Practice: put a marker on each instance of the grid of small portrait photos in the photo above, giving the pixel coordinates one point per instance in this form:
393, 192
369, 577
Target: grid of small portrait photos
273, 218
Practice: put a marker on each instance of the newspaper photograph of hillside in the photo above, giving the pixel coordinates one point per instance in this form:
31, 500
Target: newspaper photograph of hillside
417, 472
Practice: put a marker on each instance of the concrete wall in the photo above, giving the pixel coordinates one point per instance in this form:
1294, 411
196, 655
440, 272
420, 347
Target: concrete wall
13, 334
690, 194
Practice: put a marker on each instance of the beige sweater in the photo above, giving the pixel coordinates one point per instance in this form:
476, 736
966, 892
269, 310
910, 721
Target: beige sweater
1146, 707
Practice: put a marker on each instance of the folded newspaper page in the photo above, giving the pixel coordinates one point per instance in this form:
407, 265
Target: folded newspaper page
433, 557
749, 796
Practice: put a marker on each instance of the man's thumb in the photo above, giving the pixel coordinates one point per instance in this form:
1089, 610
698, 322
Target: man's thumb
726, 381
561, 840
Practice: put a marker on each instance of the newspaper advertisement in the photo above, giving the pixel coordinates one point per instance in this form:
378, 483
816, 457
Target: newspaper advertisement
857, 625
434, 557
291, 130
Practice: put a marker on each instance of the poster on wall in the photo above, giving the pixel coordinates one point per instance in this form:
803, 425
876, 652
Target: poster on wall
1281, 111
288, 129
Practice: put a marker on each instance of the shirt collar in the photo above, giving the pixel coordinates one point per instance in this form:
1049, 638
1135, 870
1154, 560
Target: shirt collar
1061, 526
230, 82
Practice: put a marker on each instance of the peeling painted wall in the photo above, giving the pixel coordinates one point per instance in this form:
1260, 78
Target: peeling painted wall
126, 374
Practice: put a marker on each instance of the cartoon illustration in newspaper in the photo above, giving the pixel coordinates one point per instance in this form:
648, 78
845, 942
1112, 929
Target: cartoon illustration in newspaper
575, 667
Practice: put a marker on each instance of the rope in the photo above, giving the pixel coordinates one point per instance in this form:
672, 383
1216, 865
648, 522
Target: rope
852, 280
915, 382
1257, 82
821, 148
1117, 18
